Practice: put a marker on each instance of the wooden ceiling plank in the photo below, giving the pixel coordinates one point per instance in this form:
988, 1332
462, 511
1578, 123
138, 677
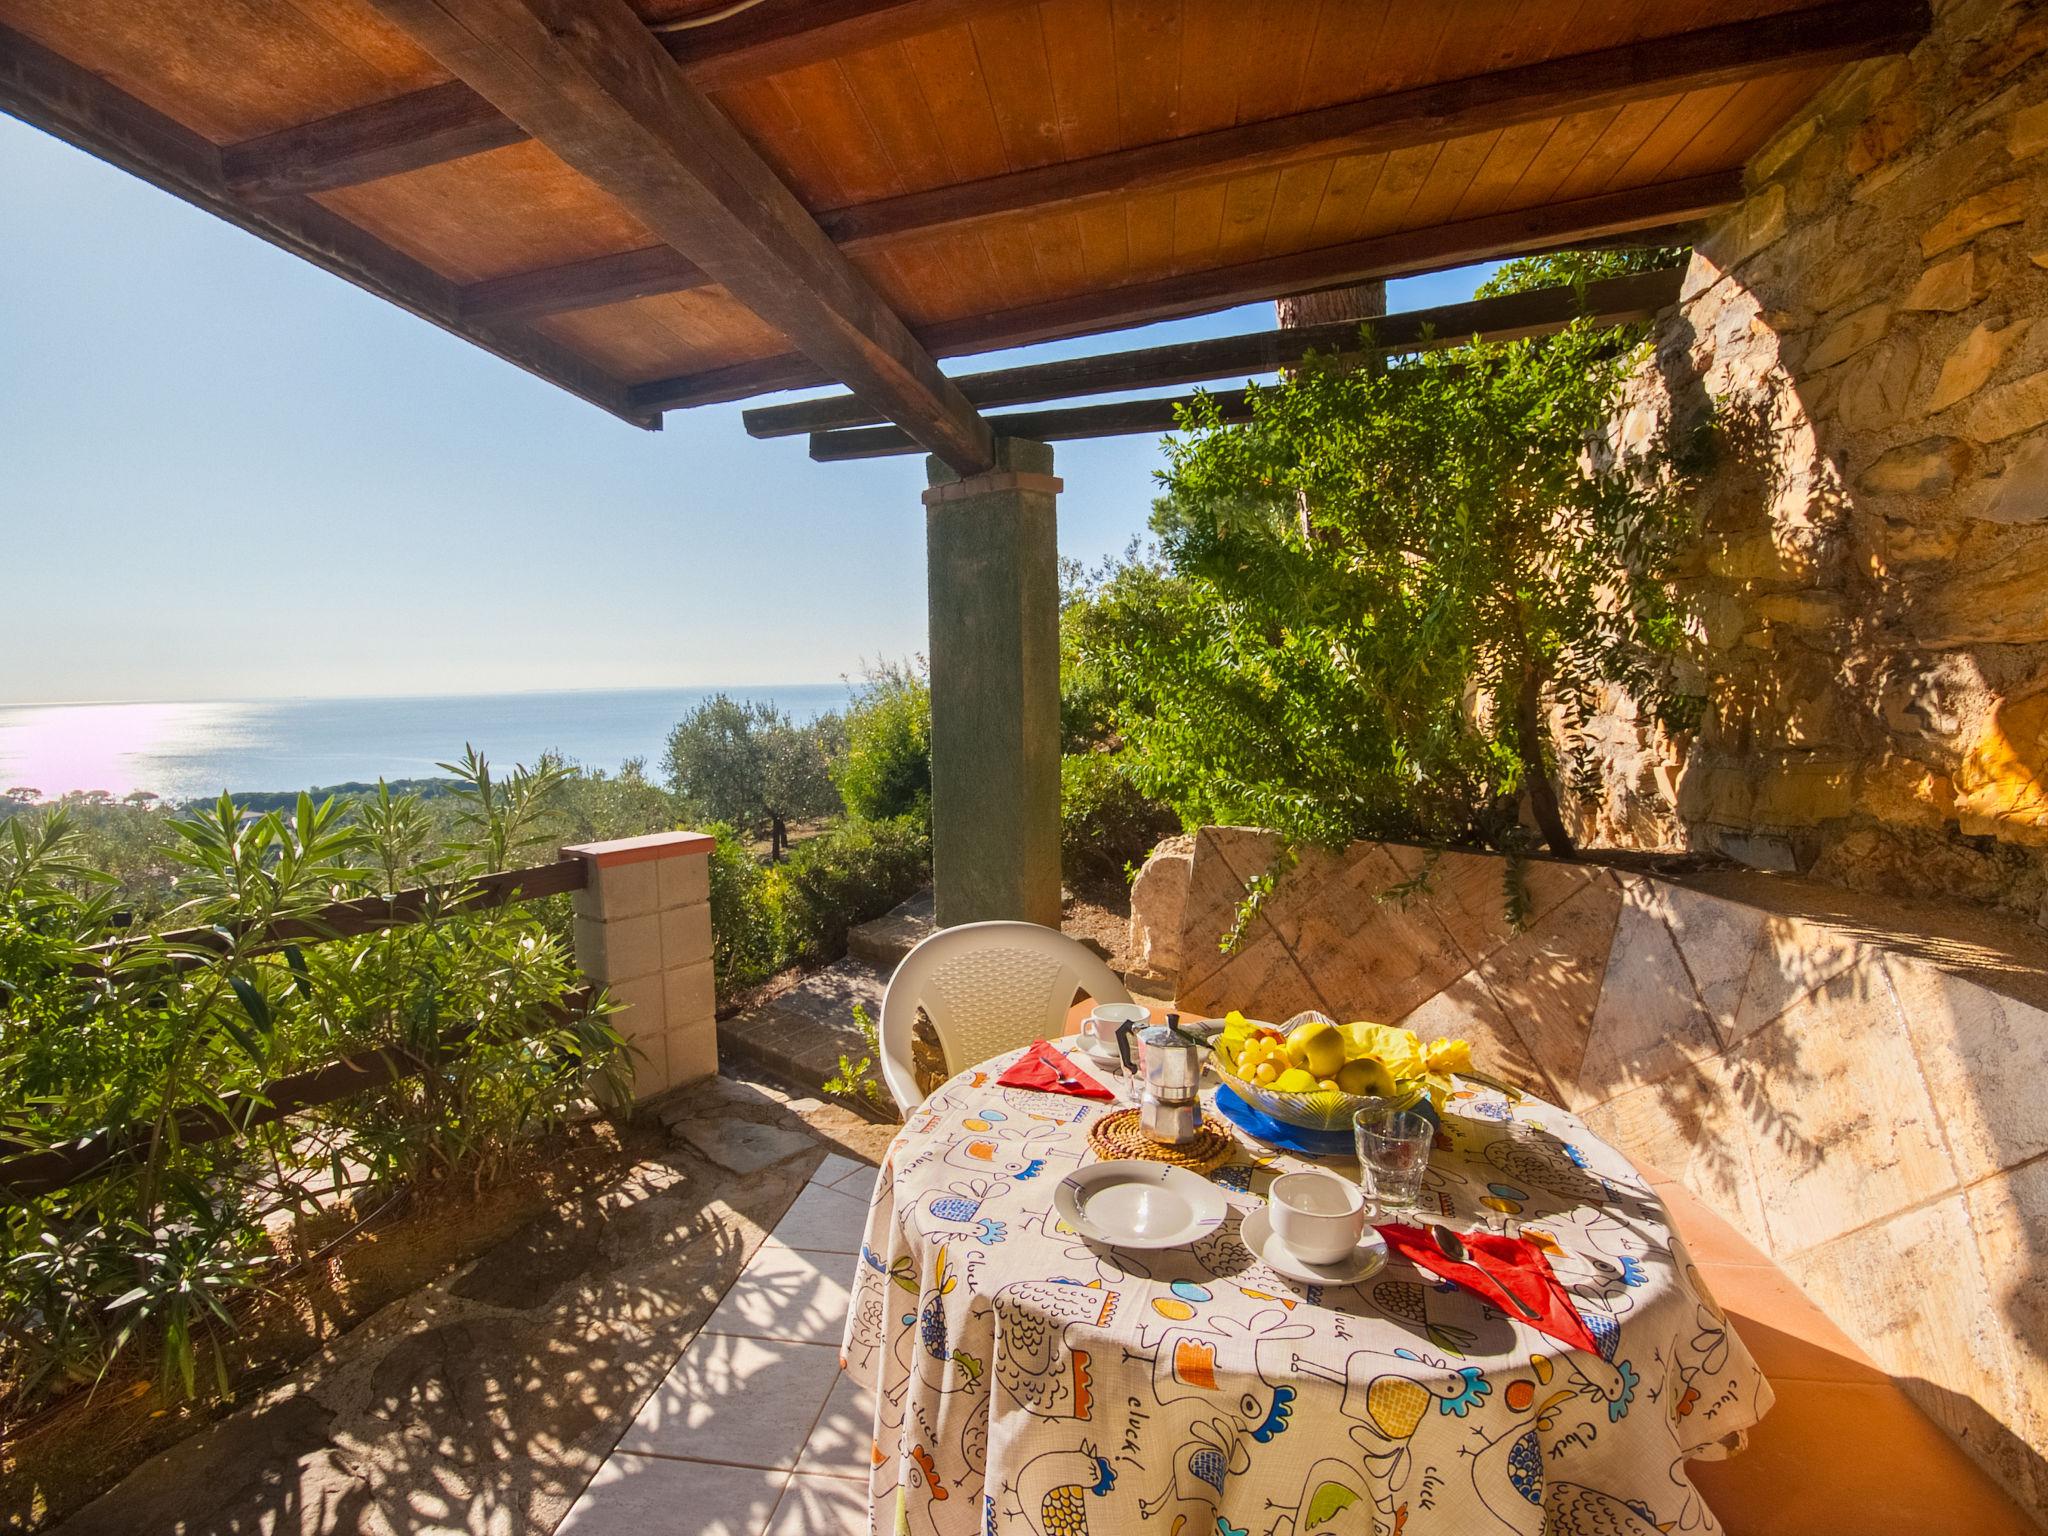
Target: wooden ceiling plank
450, 121
49, 92
1523, 232
1538, 312
1409, 121
1832, 33
588, 81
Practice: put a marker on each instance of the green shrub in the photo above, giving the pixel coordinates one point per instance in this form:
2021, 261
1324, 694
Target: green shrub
1106, 822
745, 950
846, 876
148, 1257
887, 767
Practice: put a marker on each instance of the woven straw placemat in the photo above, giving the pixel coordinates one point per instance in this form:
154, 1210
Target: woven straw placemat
1120, 1135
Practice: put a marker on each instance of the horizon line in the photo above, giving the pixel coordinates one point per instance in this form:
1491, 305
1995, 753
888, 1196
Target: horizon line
844, 680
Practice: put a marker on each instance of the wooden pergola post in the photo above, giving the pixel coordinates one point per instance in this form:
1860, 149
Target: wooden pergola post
993, 566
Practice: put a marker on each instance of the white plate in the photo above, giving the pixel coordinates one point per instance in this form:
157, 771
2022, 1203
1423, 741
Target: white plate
1257, 1235
1135, 1204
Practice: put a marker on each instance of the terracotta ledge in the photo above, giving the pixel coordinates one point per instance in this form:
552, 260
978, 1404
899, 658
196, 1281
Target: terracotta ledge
1808, 1467
637, 850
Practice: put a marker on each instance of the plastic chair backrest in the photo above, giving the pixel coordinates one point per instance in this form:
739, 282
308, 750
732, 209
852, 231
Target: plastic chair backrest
986, 987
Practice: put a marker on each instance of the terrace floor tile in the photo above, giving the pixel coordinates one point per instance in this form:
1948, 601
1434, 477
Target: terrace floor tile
786, 1294
824, 1221
821, 1506
842, 1444
633, 1495
749, 1402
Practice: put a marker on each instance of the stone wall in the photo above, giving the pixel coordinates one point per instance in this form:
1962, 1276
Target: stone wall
1852, 1081
1871, 590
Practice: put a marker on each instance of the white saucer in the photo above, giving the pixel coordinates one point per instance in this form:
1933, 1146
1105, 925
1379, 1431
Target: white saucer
1097, 1052
1134, 1204
1365, 1259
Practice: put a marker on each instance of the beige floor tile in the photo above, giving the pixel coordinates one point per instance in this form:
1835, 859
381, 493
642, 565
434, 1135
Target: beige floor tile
750, 1402
842, 1445
784, 1294
637, 1495
823, 1220
821, 1506
835, 1167
860, 1183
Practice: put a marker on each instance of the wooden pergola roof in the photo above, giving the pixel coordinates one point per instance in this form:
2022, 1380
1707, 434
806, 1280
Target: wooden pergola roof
665, 202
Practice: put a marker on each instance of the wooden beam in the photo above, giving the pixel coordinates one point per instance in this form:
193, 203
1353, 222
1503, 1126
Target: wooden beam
1555, 226
587, 80
1115, 418
49, 92
1711, 56
1613, 301
447, 122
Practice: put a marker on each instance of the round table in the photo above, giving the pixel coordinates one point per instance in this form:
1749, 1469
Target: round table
1026, 1380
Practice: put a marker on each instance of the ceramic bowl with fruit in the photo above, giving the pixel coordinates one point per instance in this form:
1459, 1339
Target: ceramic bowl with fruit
1315, 1073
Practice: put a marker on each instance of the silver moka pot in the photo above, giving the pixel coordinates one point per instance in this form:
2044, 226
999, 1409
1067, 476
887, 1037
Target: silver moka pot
1167, 1066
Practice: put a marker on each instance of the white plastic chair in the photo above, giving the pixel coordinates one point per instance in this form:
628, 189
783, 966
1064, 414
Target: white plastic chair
986, 987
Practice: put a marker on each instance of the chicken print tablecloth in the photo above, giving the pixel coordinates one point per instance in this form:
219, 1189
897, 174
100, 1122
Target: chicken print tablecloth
1029, 1382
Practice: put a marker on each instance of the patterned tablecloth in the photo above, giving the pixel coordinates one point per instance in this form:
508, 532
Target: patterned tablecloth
1027, 1381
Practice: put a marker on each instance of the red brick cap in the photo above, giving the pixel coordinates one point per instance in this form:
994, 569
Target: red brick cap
635, 850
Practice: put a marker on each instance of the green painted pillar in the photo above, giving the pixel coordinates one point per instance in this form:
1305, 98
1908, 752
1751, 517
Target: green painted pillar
993, 565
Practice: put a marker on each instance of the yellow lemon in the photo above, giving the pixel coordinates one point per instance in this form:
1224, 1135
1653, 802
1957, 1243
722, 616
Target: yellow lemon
1295, 1080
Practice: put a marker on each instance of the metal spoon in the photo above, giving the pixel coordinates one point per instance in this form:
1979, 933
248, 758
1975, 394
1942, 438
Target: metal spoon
1452, 1247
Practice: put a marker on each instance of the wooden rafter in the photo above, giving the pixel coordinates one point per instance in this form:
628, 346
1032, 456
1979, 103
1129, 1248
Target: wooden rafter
1553, 226
53, 94
588, 80
1817, 37
1508, 317
1113, 418
450, 121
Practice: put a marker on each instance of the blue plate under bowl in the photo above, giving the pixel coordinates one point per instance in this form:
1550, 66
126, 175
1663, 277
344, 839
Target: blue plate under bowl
1295, 1138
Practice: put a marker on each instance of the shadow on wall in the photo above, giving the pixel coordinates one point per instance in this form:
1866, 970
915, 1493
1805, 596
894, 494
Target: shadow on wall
1870, 592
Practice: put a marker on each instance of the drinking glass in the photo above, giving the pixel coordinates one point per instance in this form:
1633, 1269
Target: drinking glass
1393, 1151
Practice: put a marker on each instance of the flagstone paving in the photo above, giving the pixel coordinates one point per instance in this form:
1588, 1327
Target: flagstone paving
602, 1358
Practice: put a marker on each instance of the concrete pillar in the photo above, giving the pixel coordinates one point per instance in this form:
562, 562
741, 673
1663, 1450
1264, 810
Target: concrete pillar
643, 931
993, 564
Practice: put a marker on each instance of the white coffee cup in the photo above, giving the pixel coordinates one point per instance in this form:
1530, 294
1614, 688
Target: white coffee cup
1100, 1027
1318, 1216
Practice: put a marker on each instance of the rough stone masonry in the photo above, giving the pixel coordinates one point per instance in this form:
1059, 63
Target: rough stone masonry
1870, 331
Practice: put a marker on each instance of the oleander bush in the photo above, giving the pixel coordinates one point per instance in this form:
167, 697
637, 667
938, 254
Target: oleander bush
149, 1258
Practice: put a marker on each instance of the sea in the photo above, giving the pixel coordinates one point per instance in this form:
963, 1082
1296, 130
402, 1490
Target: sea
191, 751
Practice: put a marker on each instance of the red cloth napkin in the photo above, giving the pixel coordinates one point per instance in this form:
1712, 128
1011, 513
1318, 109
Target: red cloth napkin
1513, 1264
1042, 1067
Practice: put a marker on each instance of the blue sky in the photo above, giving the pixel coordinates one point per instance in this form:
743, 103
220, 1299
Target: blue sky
230, 475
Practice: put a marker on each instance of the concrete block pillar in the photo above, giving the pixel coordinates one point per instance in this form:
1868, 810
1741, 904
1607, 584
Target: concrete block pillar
643, 931
993, 564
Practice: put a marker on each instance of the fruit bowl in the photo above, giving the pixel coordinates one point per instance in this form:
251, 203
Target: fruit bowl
1321, 1109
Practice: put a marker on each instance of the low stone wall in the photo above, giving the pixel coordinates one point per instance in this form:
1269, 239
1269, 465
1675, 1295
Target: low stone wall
1870, 589
1854, 1084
